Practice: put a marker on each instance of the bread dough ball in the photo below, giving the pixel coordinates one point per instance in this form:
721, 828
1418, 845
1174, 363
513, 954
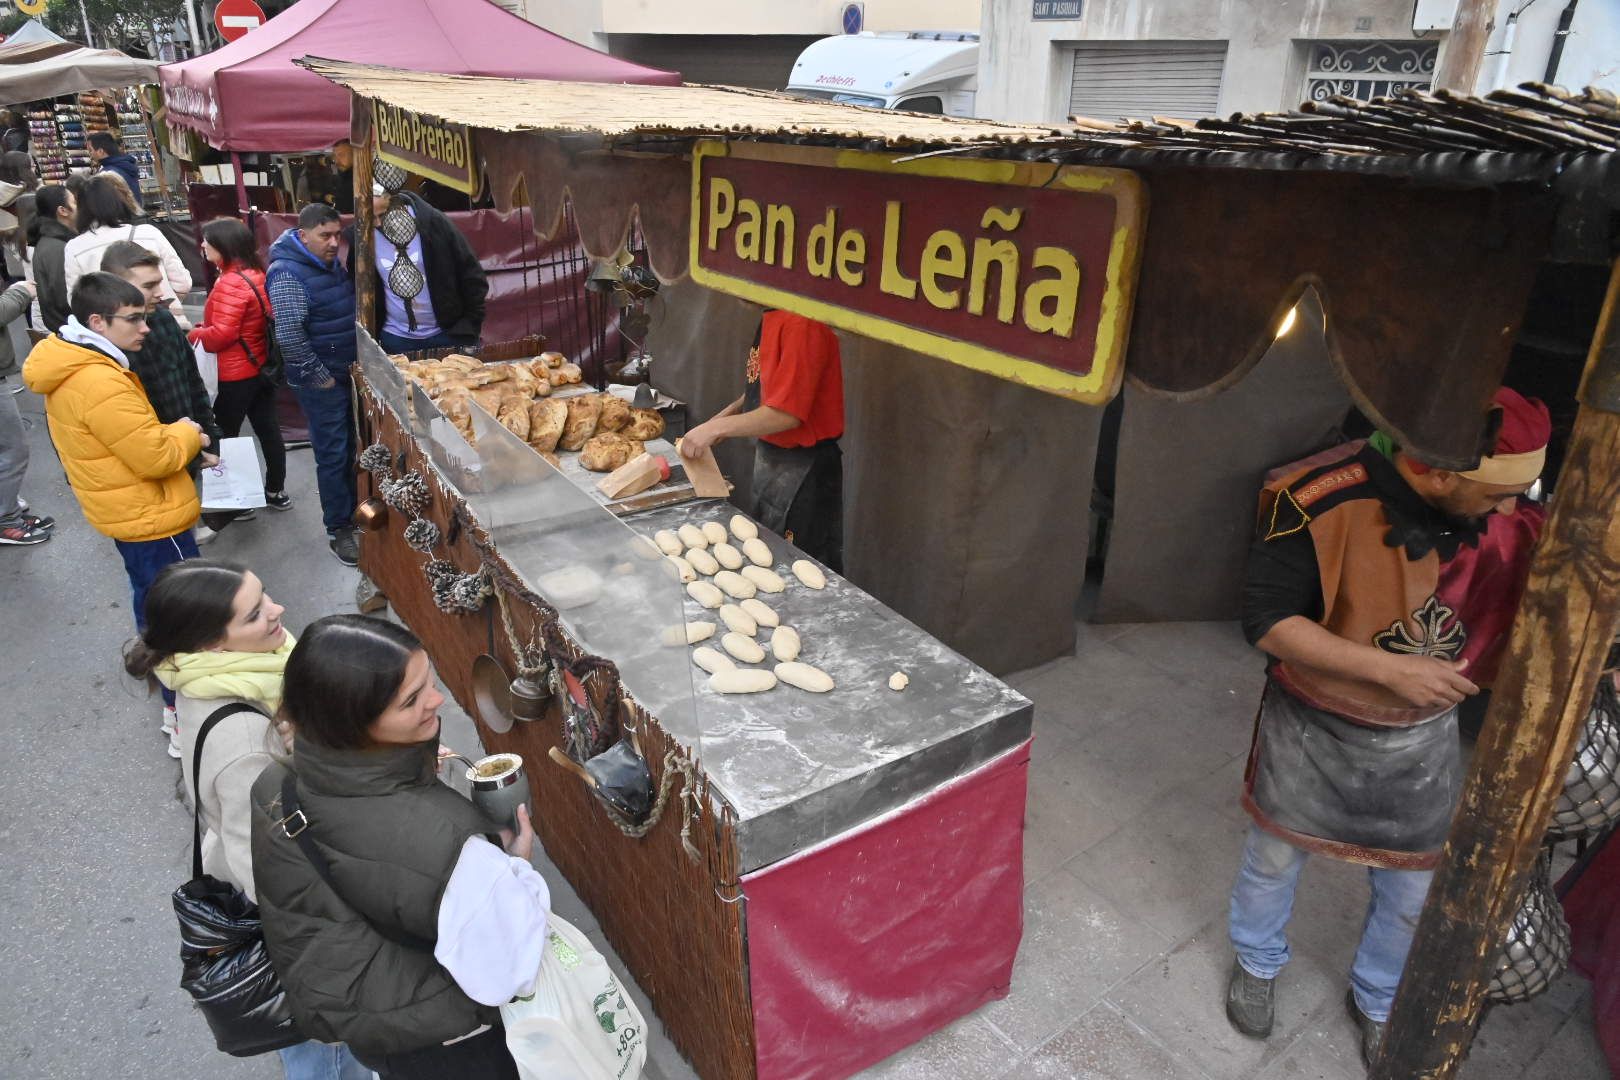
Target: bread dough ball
758, 552
899, 681
763, 579
738, 620
668, 542
706, 594
726, 555
742, 681
785, 643
760, 612
692, 536
712, 660
742, 647
735, 585
683, 569
702, 561
743, 529
804, 677
714, 532
809, 574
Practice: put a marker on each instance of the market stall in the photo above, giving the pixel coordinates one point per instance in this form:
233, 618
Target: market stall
994, 283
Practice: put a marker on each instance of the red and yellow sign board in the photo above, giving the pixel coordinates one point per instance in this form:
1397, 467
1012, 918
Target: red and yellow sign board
1022, 270
427, 147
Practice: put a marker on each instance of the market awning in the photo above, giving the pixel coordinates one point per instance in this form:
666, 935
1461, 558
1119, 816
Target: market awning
32, 70
249, 95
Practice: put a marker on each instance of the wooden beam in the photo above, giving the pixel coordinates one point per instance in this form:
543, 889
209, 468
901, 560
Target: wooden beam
365, 278
1464, 49
1561, 636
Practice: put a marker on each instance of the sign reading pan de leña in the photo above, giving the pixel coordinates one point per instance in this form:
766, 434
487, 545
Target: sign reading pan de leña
427, 147
1022, 270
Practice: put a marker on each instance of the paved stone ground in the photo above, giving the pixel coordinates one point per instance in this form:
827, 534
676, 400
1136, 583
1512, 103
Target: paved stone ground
1133, 832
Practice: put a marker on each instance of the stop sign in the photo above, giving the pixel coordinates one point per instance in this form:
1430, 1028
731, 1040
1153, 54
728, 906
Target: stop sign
233, 18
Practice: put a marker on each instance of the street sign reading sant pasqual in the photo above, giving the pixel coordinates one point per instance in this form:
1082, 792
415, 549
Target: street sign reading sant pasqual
428, 147
1022, 270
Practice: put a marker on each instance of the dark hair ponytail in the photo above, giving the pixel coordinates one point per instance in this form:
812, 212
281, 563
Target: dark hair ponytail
188, 608
342, 675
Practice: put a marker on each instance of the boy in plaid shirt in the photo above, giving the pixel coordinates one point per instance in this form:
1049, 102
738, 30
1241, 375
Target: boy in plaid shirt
166, 364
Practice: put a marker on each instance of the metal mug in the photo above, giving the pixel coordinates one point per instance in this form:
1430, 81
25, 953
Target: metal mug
370, 515
499, 793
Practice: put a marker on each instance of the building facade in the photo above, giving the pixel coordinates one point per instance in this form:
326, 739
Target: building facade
728, 41
1046, 60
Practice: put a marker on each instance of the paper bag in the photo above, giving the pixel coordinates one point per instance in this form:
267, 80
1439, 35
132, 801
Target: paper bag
208, 368
235, 483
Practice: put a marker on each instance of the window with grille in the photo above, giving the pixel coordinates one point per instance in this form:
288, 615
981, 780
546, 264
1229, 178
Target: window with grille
1368, 69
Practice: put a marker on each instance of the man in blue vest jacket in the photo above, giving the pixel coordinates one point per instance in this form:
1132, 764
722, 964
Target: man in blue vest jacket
312, 296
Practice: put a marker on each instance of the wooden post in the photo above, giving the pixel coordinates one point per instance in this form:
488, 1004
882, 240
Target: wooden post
1464, 48
365, 278
1561, 636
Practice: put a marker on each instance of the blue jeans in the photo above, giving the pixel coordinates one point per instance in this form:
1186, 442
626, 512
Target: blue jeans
321, 1061
330, 413
394, 343
142, 561
1263, 899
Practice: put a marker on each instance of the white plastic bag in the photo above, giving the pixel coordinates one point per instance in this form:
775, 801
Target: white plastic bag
208, 368
579, 1023
235, 483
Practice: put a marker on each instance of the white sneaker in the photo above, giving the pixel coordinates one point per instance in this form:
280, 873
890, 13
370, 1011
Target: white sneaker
171, 721
174, 745
202, 534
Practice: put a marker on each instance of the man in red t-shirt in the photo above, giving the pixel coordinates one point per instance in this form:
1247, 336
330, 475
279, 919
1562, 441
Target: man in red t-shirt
794, 406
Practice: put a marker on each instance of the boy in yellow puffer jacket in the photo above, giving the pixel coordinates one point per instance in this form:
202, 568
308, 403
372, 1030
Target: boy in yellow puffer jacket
127, 469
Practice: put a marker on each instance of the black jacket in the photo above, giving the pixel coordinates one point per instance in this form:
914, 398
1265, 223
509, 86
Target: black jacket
392, 835
49, 275
456, 282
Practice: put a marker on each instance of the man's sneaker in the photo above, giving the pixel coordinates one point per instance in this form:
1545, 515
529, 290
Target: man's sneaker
40, 521
171, 720
1250, 1002
243, 515
203, 534
346, 546
174, 745
1372, 1031
278, 500
24, 534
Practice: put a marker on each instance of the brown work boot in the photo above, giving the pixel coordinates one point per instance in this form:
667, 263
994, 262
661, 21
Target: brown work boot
1372, 1031
1250, 1002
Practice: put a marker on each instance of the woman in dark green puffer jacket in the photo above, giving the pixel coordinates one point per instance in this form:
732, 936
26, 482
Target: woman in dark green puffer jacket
420, 927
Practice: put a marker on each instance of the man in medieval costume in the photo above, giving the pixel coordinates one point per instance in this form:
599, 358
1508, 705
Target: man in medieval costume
1382, 590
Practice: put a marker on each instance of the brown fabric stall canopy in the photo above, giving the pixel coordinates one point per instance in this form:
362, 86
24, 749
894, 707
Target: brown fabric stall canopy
1421, 236
34, 70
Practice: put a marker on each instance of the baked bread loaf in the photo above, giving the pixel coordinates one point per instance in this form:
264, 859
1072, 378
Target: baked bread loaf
552, 359
644, 424
583, 412
606, 451
546, 420
615, 414
566, 375
514, 416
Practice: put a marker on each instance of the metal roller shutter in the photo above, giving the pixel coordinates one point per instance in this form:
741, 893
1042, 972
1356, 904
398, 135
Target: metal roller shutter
1143, 79
759, 61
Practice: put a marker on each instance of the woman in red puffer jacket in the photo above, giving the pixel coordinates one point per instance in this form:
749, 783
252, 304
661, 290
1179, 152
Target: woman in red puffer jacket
234, 329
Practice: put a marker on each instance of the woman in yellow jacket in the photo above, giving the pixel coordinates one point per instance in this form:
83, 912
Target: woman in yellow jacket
127, 469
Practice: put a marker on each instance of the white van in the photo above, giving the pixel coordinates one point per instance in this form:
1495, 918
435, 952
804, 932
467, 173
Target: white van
922, 71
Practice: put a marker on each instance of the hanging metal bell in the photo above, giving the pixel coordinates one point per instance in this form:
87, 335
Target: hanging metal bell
1537, 947
529, 697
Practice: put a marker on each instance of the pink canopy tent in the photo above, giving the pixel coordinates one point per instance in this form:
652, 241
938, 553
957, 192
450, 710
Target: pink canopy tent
250, 96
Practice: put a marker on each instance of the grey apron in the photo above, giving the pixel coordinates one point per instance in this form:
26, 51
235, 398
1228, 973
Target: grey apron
1383, 796
779, 473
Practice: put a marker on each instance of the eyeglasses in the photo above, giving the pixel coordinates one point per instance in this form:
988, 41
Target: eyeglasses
131, 319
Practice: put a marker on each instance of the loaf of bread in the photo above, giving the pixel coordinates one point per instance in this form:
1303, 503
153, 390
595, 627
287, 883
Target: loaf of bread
566, 375
607, 450
552, 359
514, 416
583, 412
615, 414
644, 424
547, 417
